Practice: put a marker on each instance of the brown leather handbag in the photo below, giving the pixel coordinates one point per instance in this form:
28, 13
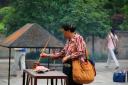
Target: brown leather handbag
83, 72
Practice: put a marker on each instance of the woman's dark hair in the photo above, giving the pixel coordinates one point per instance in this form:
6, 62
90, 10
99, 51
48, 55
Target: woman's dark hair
113, 31
68, 27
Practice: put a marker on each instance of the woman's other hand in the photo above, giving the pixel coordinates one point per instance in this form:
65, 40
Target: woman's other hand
64, 59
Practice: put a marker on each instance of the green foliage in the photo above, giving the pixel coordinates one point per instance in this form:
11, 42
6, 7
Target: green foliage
87, 15
91, 17
1, 27
124, 9
124, 26
6, 13
4, 3
116, 7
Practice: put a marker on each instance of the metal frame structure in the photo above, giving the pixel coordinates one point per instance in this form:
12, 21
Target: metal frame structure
29, 36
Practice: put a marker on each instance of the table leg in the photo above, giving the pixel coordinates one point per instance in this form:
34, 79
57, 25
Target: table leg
47, 81
35, 81
28, 79
23, 82
51, 81
31, 81
61, 81
56, 81
66, 81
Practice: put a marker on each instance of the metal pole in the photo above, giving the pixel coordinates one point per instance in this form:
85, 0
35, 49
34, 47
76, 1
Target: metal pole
93, 49
9, 66
48, 59
93, 45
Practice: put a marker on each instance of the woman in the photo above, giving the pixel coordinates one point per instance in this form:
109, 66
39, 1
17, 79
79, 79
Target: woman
112, 40
73, 49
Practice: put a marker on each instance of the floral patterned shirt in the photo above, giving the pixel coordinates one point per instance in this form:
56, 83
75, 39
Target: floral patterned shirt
75, 47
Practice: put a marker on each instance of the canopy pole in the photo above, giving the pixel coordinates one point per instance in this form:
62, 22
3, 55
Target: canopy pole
9, 66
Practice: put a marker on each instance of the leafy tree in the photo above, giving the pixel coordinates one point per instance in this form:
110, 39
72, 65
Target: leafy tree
88, 15
5, 13
124, 9
4, 3
117, 9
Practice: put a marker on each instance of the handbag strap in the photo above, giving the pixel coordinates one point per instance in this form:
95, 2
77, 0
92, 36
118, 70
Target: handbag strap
86, 57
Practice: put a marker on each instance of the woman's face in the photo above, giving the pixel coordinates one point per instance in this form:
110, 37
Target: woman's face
67, 34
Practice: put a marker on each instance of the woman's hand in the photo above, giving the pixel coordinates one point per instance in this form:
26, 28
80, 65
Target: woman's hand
66, 58
43, 55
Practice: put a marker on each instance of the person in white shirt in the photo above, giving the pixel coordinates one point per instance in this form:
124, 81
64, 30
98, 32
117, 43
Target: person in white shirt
112, 41
19, 61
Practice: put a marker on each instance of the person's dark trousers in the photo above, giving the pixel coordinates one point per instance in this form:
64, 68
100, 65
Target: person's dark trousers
68, 71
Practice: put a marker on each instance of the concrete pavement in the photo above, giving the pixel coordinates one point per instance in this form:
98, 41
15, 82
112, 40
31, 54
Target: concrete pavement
104, 75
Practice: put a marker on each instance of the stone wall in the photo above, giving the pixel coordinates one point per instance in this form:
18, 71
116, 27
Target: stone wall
101, 52
123, 45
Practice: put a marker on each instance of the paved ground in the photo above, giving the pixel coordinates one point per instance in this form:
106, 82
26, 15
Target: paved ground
104, 75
